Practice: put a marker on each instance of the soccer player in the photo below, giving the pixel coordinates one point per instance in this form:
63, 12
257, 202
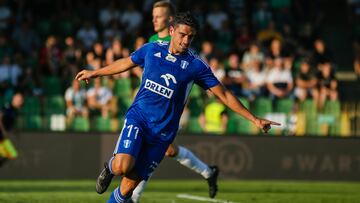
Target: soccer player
163, 12
7, 120
169, 71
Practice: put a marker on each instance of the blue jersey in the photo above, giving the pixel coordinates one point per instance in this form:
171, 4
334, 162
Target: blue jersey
166, 83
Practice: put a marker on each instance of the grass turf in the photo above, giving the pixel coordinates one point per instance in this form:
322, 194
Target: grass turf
167, 192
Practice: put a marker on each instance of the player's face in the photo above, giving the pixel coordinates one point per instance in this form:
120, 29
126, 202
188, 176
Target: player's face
181, 37
160, 18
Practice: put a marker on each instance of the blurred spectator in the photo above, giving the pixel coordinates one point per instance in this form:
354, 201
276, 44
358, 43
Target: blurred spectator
214, 119
261, 16
72, 58
243, 38
268, 34
99, 54
357, 58
5, 47
112, 32
25, 38
98, 99
279, 80
327, 85
252, 57
321, 54
306, 83
276, 50
87, 35
92, 63
217, 68
108, 14
207, 51
114, 52
216, 17
224, 38
139, 42
9, 72
5, 15
50, 57
255, 85
290, 44
234, 76
131, 19
75, 98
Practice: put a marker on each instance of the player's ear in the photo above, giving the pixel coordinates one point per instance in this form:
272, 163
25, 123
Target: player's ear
171, 30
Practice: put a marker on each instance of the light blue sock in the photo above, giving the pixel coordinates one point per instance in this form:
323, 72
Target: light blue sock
110, 164
117, 197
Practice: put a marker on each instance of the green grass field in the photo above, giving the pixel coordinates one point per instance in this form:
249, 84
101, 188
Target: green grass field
185, 192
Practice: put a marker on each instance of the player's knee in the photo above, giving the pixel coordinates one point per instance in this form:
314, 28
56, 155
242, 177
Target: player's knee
121, 167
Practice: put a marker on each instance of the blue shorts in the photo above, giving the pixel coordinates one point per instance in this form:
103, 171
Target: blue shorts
147, 154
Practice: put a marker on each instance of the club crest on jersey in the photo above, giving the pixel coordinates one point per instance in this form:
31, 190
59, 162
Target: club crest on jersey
170, 58
127, 143
184, 64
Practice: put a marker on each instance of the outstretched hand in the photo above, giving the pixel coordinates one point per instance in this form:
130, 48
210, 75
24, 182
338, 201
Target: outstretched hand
85, 75
265, 124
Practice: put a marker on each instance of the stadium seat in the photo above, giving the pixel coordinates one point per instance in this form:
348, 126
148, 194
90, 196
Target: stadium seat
43, 28
2, 101
284, 106
54, 105
232, 124
101, 124
80, 124
262, 106
312, 125
195, 92
123, 103
194, 125
31, 106
332, 108
32, 122
65, 28
239, 125
54, 122
244, 127
52, 86
122, 88
308, 107
196, 106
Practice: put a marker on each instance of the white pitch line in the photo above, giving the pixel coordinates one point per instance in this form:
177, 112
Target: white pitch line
203, 199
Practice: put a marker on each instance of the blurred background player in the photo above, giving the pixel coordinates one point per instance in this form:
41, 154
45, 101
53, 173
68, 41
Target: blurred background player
8, 115
163, 12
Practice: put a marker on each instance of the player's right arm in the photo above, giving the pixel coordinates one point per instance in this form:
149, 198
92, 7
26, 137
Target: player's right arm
118, 66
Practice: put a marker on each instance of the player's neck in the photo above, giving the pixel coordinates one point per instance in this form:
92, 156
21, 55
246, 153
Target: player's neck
163, 33
173, 51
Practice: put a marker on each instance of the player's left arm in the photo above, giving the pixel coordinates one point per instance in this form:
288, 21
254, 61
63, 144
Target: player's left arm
235, 104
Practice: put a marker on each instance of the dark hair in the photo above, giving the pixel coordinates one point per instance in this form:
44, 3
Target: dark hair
185, 18
166, 4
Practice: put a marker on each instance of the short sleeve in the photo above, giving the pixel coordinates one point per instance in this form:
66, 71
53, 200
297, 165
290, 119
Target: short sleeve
205, 78
69, 94
138, 56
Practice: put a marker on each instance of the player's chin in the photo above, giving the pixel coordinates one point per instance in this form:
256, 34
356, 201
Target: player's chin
183, 48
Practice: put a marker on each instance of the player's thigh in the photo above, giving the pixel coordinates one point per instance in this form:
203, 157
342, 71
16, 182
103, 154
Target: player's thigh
128, 145
151, 156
